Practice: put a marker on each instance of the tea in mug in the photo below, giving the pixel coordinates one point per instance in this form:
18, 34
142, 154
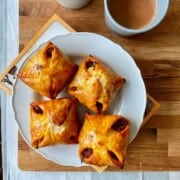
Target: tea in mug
133, 14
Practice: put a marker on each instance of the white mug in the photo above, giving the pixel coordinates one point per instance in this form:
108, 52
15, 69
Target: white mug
73, 4
162, 7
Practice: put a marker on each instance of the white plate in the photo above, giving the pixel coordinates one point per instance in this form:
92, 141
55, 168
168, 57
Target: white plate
129, 102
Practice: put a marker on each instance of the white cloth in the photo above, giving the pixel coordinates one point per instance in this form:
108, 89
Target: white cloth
9, 36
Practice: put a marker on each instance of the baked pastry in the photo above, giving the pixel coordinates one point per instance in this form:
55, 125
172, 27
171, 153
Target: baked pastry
48, 71
95, 84
54, 121
103, 140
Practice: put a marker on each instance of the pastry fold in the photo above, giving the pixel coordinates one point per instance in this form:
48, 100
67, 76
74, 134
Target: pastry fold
103, 140
54, 122
48, 71
95, 84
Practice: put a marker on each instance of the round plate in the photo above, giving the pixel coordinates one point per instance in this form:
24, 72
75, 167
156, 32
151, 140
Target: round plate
129, 102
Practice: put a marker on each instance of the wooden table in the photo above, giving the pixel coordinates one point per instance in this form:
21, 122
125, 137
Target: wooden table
157, 53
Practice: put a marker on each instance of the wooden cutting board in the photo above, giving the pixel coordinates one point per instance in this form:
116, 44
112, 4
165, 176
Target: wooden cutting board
157, 53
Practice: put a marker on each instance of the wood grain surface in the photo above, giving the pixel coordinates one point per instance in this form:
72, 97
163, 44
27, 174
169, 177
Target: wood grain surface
157, 53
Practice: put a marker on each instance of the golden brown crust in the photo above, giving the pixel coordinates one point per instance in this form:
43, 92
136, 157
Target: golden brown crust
54, 121
95, 85
103, 140
48, 71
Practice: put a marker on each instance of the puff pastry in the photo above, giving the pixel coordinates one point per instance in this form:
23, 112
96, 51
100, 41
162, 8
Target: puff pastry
95, 84
48, 71
103, 140
54, 121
